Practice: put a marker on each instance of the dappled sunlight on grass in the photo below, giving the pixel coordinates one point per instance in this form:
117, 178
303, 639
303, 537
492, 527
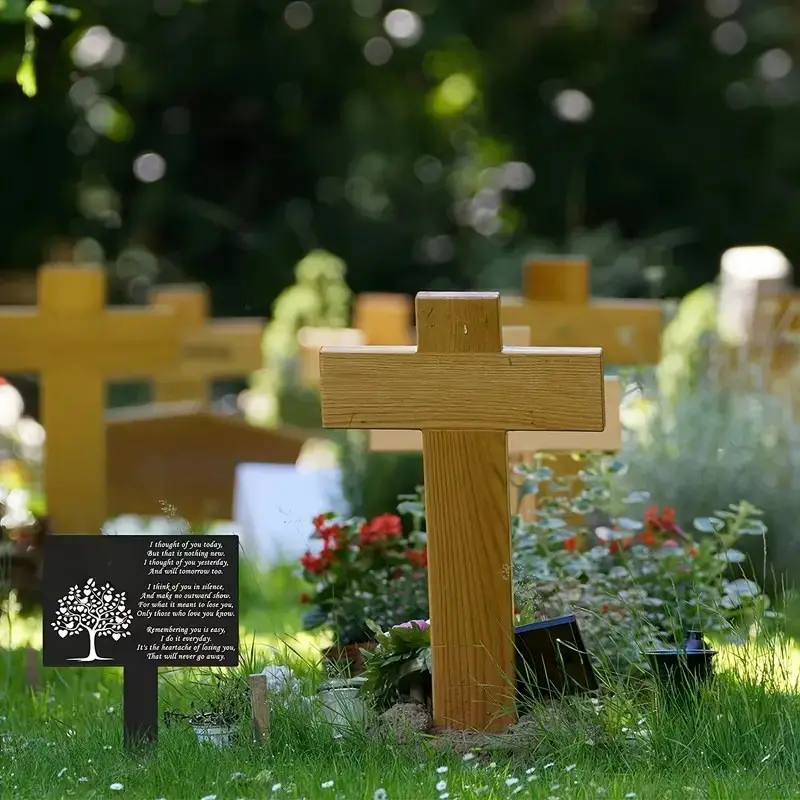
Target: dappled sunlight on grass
775, 663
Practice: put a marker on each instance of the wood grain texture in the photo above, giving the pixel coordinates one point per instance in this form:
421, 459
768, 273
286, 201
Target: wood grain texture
469, 579
401, 388
469, 536
609, 440
628, 331
312, 340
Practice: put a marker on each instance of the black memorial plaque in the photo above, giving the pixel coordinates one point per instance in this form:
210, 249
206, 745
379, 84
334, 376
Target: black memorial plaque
161, 601
552, 660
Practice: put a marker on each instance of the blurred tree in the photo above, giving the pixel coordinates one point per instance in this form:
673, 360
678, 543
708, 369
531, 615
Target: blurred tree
220, 141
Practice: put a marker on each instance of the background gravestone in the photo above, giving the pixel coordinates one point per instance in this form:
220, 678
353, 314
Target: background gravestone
141, 602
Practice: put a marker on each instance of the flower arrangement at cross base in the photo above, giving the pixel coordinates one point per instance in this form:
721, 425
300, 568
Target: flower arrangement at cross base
368, 572
399, 667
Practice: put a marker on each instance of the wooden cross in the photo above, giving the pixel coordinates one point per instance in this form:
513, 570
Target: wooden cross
465, 391
223, 348
556, 303
75, 344
557, 307
523, 445
384, 319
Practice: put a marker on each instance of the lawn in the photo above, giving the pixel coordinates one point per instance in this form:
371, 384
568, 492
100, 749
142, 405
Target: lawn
741, 740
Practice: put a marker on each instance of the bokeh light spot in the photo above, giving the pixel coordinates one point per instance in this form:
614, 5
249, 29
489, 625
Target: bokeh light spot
378, 51
149, 167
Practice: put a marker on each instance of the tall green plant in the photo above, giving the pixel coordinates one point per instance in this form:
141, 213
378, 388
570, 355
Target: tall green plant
319, 298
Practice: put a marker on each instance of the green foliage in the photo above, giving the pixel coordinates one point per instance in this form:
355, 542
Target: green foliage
366, 570
401, 661
685, 343
620, 267
409, 170
319, 298
639, 581
705, 448
372, 482
219, 697
36, 14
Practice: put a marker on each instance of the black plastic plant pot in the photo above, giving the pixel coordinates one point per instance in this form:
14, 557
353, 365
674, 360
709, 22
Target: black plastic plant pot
684, 668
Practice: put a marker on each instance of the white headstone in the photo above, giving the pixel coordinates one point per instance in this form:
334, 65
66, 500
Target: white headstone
274, 505
748, 276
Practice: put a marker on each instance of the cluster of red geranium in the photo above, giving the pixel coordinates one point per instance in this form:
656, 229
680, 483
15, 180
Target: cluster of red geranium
384, 532
660, 530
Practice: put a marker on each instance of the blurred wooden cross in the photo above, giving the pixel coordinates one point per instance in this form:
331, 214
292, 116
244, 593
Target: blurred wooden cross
383, 318
210, 350
76, 344
557, 307
465, 391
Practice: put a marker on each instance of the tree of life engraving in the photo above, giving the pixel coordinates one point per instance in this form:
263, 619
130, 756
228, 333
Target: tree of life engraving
100, 611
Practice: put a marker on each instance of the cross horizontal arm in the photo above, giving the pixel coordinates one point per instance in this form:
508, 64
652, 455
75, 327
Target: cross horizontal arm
120, 341
517, 389
226, 348
627, 331
609, 440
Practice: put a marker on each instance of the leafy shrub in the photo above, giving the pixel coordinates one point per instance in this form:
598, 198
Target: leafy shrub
366, 571
320, 297
640, 580
725, 439
400, 663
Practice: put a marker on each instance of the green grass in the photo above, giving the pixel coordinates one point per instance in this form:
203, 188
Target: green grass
741, 741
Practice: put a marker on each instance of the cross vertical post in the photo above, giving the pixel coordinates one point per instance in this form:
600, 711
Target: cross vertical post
465, 391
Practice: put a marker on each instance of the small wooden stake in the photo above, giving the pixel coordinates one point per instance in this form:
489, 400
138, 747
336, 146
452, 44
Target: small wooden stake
139, 705
259, 705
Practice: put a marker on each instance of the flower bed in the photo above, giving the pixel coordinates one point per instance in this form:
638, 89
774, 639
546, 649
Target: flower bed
635, 582
367, 572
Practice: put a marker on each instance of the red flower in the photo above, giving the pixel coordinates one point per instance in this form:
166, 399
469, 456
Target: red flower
319, 521
648, 538
571, 544
619, 544
663, 522
317, 564
334, 536
419, 558
380, 528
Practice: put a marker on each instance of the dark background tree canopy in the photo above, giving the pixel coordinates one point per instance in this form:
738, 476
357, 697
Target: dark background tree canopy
289, 127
